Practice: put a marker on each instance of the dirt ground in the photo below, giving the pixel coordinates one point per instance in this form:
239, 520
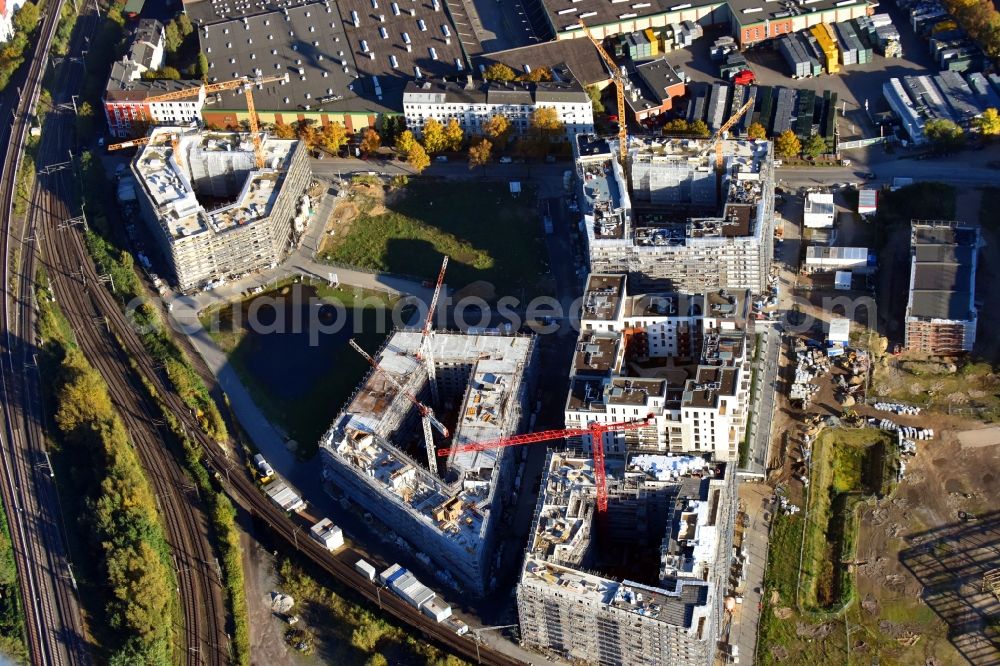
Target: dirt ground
267, 643
347, 210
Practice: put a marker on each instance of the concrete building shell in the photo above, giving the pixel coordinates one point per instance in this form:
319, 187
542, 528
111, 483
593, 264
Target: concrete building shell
451, 518
672, 232
251, 232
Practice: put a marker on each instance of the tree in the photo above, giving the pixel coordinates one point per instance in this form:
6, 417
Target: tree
201, 66
417, 157
454, 136
305, 131
988, 123
498, 129
538, 74
433, 136
498, 72
404, 142
945, 135
332, 137
787, 145
756, 131
26, 18
699, 128
172, 38
546, 120
184, 25
675, 126
479, 152
370, 141
283, 131
165, 72
815, 146
84, 121
595, 98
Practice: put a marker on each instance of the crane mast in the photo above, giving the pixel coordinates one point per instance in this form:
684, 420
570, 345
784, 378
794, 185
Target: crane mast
619, 92
425, 352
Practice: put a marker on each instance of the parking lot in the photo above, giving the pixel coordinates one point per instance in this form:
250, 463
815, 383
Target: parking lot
855, 85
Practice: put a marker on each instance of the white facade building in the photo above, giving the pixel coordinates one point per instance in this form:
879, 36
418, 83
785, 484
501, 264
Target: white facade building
678, 359
472, 104
7, 10
818, 210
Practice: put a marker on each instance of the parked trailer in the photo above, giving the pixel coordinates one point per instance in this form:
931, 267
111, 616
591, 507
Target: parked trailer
365, 569
284, 496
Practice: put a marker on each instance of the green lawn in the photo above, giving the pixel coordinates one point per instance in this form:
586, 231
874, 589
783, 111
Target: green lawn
488, 235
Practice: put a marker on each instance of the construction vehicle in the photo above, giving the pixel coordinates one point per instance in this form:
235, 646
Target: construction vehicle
244, 82
620, 93
595, 430
427, 417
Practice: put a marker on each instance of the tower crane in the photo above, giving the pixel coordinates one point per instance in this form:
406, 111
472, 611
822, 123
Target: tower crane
244, 82
716, 142
425, 352
426, 413
620, 93
595, 430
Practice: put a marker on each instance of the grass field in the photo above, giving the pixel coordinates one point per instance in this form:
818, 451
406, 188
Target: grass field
300, 386
929, 385
488, 234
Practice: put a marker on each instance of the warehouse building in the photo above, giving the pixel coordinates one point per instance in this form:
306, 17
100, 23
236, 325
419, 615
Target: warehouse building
646, 587
684, 227
211, 210
653, 88
376, 452
130, 101
941, 308
678, 358
472, 103
945, 96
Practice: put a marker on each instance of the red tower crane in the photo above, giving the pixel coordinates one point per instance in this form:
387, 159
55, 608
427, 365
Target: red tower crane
595, 430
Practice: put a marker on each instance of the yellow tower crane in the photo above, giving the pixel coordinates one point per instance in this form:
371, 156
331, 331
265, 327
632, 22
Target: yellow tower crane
244, 82
619, 89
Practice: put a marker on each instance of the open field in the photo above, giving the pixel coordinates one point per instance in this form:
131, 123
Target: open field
488, 234
298, 375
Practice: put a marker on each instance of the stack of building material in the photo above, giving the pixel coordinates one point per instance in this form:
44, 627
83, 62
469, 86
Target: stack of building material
765, 107
747, 119
733, 64
697, 98
798, 62
866, 40
736, 101
805, 112
784, 109
850, 33
685, 33
717, 106
828, 120
846, 45
828, 47
811, 47
722, 47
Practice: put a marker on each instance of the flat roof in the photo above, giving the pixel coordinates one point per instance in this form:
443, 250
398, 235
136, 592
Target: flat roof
564, 15
306, 41
750, 12
942, 282
596, 353
577, 55
603, 296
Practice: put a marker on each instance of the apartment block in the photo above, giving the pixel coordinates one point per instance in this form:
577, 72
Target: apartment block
642, 584
678, 359
472, 103
377, 453
212, 211
685, 227
941, 309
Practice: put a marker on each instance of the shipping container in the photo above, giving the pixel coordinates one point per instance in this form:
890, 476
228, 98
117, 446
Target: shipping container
365, 569
436, 609
327, 534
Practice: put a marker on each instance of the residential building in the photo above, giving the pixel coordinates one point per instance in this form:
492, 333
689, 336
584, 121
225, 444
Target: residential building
589, 590
683, 227
130, 101
378, 455
676, 358
941, 308
472, 103
210, 209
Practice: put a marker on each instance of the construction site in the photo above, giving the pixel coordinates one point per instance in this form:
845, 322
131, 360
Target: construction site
681, 214
678, 360
641, 582
220, 203
383, 449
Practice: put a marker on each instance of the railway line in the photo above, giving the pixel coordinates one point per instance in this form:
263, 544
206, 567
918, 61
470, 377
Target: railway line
54, 627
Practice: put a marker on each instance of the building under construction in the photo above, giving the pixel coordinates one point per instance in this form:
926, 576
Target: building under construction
213, 212
380, 456
678, 359
674, 219
641, 584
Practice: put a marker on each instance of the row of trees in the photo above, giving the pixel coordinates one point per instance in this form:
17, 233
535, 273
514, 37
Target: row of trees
946, 136
122, 516
12, 54
503, 73
787, 145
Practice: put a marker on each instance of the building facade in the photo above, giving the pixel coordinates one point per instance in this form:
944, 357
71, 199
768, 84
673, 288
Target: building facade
251, 232
472, 104
684, 227
941, 314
